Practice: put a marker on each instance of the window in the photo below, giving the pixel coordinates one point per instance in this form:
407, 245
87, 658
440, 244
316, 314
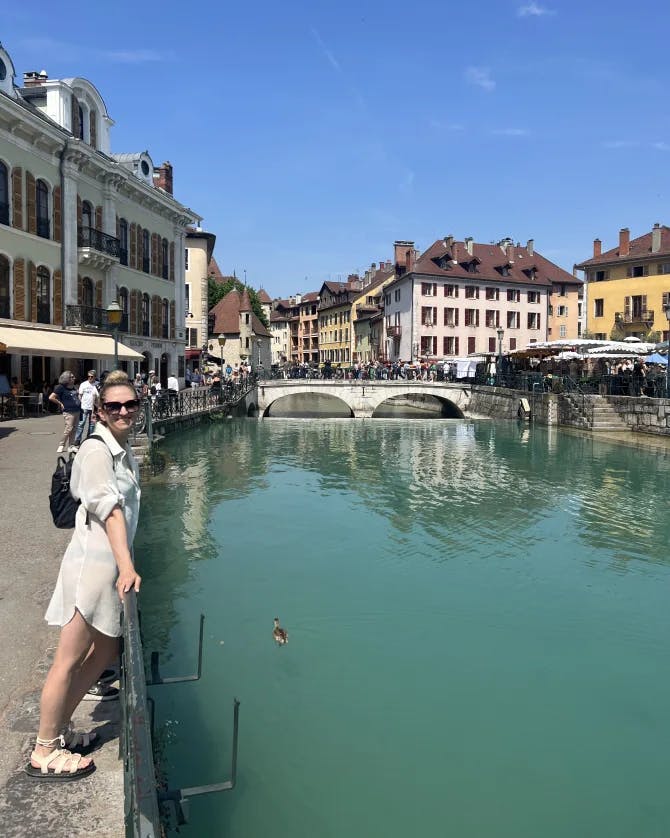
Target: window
513, 295
471, 345
493, 293
472, 317
492, 345
146, 316
43, 294
80, 111
146, 252
512, 344
42, 208
492, 318
165, 319
563, 332
186, 258
471, 292
533, 296
601, 276
513, 319
387, 299
450, 345
4, 287
86, 215
429, 289
246, 318
662, 269
598, 307
397, 295
165, 260
561, 290
4, 194
428, 316
451, 317
533, 320
562, 311
638, 270
451, 290
87, 295
550, 310
123, 241
428, 345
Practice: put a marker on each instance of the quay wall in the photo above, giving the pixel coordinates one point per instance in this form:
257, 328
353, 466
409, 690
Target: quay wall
642, 414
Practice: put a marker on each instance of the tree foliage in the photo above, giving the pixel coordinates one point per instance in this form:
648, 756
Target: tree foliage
217, 291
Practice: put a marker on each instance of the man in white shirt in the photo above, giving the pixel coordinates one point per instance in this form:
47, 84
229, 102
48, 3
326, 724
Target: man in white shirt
173, 390
88, 395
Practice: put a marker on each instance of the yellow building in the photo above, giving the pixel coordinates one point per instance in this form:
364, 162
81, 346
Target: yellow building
335, 337
628, 287
365, 308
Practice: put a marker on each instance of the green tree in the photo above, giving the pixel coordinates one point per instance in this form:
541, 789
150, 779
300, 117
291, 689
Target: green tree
217, 291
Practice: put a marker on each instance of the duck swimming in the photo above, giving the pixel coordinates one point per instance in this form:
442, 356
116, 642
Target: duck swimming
279, 634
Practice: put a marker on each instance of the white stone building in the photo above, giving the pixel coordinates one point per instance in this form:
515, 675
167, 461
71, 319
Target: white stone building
80, 228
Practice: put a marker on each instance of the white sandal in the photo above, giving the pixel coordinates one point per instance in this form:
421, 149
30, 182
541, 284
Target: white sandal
75, 740
59, 765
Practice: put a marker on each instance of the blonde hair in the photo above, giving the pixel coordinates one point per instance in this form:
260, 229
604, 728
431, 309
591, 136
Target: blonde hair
116, 378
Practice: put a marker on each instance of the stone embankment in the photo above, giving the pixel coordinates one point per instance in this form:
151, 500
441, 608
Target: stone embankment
31, 552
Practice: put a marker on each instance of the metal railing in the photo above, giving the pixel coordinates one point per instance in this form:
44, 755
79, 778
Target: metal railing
91, 317
96, 239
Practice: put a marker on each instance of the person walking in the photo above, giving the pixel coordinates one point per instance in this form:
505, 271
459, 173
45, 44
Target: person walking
67, 399
96, 571
88, 395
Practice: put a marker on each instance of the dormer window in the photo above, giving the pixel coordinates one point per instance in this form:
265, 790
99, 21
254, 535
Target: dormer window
531, 272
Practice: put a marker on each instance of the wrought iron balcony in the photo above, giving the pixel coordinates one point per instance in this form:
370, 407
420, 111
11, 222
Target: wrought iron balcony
394, 331
642, 316
90, 317
4, 213
97, 240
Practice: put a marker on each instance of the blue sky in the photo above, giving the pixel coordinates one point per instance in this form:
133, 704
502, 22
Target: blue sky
310, 136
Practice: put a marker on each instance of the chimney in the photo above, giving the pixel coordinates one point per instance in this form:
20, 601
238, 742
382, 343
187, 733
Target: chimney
448, 241
33, 79
656, 238
510, 251
468, 245
163, 177
401, 255
597, 248
530, 246
624, 241
454, 253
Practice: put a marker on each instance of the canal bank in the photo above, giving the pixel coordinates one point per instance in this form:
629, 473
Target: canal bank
31, 552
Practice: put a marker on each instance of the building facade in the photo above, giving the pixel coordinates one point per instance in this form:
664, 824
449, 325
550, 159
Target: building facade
460, 298
80, 228
198, 259
627, 288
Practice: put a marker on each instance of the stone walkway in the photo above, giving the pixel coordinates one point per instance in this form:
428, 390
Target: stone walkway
30, 552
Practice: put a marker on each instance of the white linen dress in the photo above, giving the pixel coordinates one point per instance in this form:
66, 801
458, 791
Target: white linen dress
88, 572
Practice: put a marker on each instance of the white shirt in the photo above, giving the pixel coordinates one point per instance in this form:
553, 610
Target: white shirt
88, 393
173, 383
104, 475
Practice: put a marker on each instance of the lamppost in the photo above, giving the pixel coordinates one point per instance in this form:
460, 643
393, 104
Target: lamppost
258, 344
500, 332
222, 343
667, 369
114, 315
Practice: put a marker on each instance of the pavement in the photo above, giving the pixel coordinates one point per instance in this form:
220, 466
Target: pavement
31, 548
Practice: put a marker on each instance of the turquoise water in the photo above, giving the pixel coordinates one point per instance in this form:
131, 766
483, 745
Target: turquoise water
478, 629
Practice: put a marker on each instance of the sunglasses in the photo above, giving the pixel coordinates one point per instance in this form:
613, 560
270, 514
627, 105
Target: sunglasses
115, 407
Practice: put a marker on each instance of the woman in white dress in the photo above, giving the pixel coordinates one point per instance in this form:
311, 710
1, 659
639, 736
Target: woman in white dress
97, 569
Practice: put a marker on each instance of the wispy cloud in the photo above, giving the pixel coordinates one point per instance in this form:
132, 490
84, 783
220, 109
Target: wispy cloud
661, 146
481, 77
328, 55
534, 10
511, 132
620, 143
442, 125
51, 48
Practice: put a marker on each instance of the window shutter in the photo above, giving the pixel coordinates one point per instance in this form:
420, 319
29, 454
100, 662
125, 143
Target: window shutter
58, 215
118, 227
98, 218
132, 325
98, 294
629, 271
666, 298
19, 289
79, 213
171, 273
173, 320
133, 246
476, 317
626, 306
154, 254
58, 297
93, 129
140, 248
30, 203
456, 349
17, 197
75, 124
32, 292
80, 290
645, 270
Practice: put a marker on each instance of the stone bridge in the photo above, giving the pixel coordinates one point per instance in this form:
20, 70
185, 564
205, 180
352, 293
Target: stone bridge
361, 397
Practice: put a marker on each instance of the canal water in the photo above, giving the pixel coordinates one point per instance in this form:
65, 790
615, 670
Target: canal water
478, 628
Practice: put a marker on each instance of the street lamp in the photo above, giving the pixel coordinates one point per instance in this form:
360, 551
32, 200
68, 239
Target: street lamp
258, 344
500, 332
667, 369
114, 315
222, 343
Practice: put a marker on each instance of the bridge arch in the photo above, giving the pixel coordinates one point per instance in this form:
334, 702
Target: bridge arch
449, 409
339, 406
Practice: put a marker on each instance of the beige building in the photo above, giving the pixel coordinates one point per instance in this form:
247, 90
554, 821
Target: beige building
198, 257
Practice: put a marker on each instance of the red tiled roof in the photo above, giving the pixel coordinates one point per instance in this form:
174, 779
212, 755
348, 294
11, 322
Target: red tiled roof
227, 315
263, 296
215, 271
638, 248
279, 317
490, 258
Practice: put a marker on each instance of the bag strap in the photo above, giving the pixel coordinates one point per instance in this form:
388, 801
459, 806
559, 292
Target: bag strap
97, 436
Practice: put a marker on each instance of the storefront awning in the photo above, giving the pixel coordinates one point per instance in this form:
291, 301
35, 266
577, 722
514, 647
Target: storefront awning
56, 342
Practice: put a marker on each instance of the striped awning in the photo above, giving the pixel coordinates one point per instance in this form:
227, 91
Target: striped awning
28, 340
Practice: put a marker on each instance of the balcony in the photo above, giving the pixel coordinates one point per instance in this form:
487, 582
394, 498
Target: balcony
394, 331
90, 317
97, 249
642, 316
